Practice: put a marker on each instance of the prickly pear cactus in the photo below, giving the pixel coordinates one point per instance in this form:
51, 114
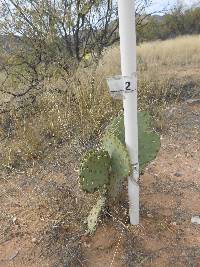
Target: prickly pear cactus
111, 165
93, 217
120, 164
94, 170
115, 187
120, 160
149, 141
116, 128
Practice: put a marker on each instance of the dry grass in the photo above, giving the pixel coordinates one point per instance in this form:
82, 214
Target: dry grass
78, 108
76, 113
179, 52
168, 72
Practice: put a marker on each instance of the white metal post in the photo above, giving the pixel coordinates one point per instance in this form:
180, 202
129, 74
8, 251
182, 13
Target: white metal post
127, 31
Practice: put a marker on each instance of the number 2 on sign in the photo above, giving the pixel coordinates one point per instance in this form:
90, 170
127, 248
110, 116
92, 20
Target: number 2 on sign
128, 86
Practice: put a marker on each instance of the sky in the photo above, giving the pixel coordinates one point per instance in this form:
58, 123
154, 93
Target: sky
158, 5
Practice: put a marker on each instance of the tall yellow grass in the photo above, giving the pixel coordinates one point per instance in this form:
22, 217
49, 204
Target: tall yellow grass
179, 52
168, 71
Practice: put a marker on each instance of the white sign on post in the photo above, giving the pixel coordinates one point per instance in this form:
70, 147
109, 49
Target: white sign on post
120, 85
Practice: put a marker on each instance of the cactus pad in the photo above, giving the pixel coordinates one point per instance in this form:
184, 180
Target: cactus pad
149, 141
93, 217
116, 128
120, 161
94, 170
115, 186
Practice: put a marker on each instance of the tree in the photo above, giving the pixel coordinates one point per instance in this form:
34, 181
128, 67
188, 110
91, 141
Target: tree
52, 36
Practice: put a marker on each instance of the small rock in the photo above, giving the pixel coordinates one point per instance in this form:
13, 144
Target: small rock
178, 174
195, 220
173, 223
14, 219
34, 240
86, 245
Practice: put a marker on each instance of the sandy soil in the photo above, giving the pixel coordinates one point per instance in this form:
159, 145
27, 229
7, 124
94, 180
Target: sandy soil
33, 235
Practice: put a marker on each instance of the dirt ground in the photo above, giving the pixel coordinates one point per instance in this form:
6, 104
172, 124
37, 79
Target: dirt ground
37, 229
